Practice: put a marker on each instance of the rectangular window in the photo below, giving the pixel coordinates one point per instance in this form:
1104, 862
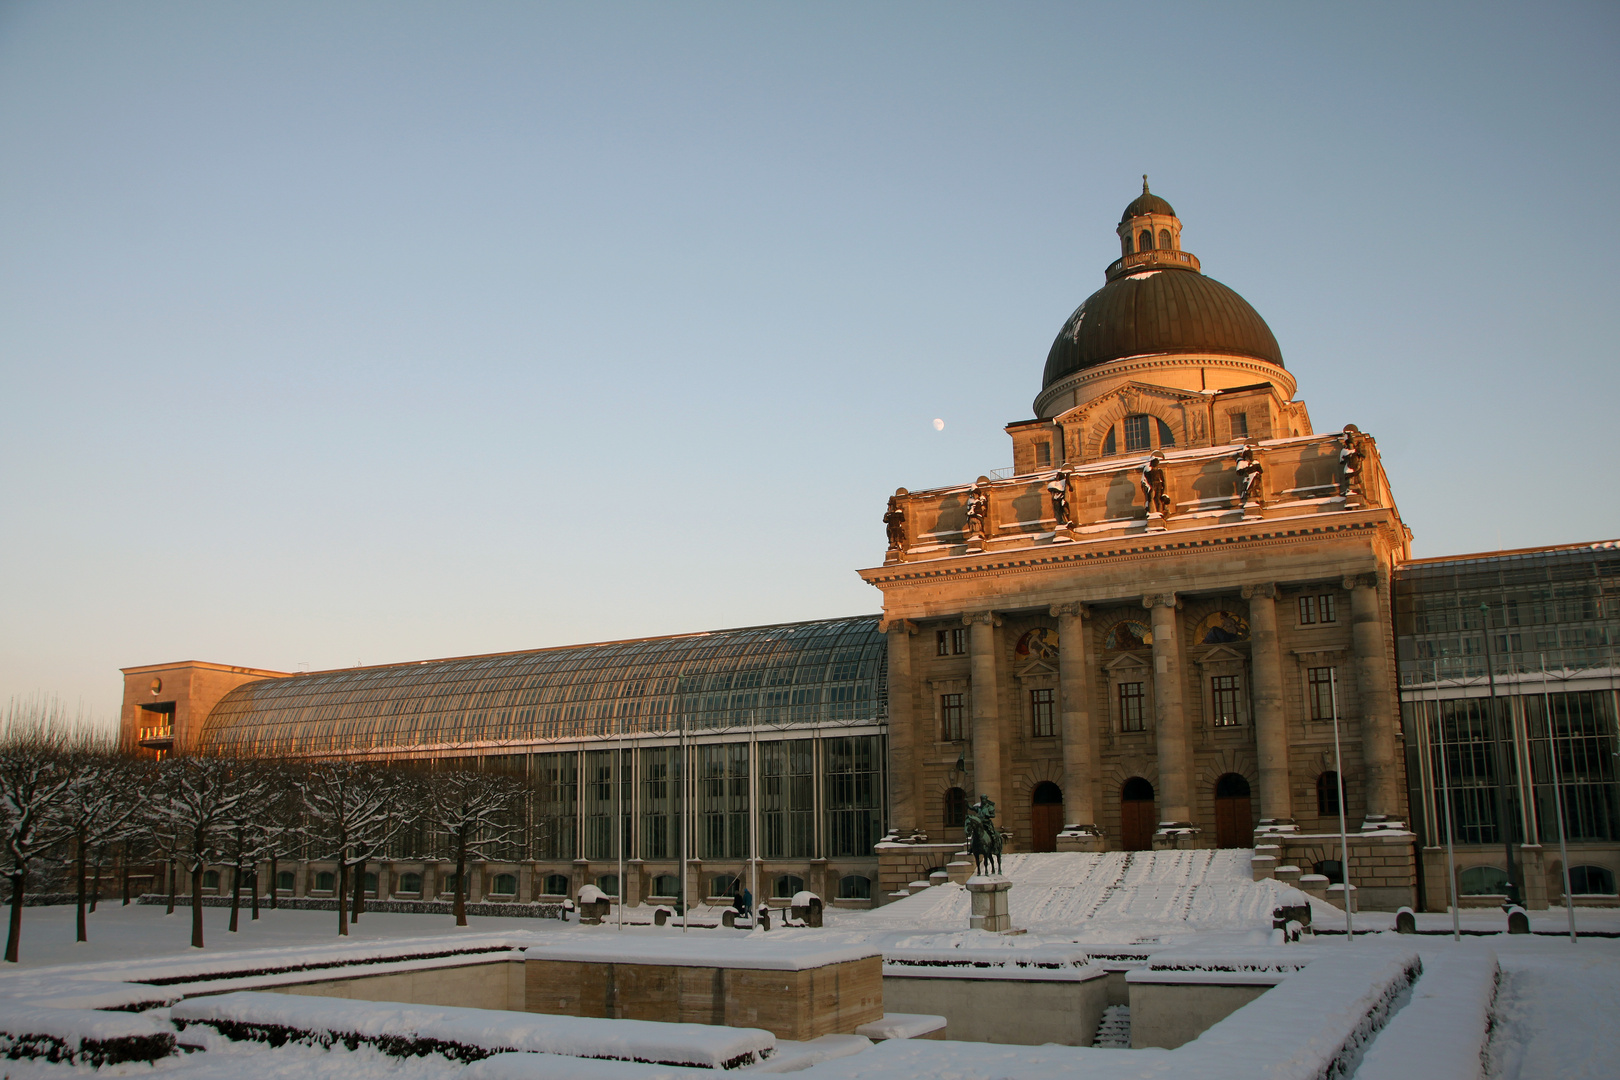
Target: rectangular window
1240, 424
1319, 682
1136, 433
660, 802
1132, 706
942, 644
556, 794
1307, 610
959, 641
1224, 693
1324, 608
1040, 711
1043, 453
950, 715
786, 799
1317, 609
603, 806
723, 801
853, 795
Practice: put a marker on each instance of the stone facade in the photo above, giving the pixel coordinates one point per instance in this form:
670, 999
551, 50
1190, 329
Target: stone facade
1142, 636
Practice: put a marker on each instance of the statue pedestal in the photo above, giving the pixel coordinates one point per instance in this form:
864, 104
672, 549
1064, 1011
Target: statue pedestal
989, 892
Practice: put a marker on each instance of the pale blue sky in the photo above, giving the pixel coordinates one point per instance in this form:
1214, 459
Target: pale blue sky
344, 332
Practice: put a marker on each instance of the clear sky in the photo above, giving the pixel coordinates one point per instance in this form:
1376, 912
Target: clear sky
346, 332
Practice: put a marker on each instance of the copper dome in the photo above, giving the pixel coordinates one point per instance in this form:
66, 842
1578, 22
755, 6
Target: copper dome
1154, 311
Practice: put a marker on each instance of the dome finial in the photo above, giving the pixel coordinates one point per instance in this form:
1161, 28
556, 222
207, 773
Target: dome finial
1144, 185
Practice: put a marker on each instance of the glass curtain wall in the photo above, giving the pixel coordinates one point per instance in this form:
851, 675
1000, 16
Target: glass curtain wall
787, 799
661, 802
555, 779
1582, 739
852, 769
722, 803
603, 806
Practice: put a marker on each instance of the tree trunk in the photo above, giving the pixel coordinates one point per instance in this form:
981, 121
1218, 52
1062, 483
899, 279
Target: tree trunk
255, 880
342, 894
78, 872
461, 883
275, 883
196, 902
169, 864
236, 896
95, 879
125, 862
359, 890
19, 878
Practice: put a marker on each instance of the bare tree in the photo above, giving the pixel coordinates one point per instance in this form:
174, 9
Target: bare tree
200, 797
99, 807
281, 820
348, 804
34, 783
473, 810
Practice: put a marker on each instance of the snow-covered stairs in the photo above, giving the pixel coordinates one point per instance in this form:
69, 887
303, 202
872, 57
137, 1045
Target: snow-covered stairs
1114, 1030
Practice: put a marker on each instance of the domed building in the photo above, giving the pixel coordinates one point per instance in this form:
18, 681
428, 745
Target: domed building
1141, 634
1171, 623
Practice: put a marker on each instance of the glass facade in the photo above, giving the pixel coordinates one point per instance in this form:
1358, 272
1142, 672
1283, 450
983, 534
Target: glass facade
1491, 648
831, 671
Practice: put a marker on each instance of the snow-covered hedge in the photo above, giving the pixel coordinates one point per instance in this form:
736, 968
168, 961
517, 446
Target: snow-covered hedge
470, 1034
250, 965
1314, 1025
1442, 1032
511, 909
556, 1067
81, 1036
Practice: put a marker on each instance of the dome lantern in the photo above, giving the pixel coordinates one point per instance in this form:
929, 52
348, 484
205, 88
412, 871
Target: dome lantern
1149, 235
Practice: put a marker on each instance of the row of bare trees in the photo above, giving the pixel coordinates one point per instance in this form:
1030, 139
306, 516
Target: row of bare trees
70, 803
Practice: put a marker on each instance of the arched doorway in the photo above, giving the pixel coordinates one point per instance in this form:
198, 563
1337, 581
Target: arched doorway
1045, 816
1233, 825
1137, 819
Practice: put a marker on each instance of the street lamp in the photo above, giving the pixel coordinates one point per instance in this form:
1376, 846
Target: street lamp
1500, 740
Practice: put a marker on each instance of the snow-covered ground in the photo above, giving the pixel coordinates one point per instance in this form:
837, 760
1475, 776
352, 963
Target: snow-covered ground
1553, 1014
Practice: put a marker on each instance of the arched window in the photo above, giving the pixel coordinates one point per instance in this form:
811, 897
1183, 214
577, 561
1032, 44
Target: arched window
503, 885
1482, 881
1591, 881
325, 881
854, 887
1110, 444
608, 883
722, 885
955, 808
286, 881
554, 885
1327, 794
1167, 438
449, 884
786, 885
1136, 434
1164, 239
1125, 243
371, 883
211, 879
410, 883
1145, 241
666, 885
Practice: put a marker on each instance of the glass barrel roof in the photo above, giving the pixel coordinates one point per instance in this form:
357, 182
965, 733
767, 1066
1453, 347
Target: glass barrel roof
829, 671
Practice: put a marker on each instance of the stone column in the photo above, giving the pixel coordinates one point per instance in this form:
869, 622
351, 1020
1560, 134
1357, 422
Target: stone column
1074, 700
1372, 689
902, 730
1270, 724
1170, 721
986, 718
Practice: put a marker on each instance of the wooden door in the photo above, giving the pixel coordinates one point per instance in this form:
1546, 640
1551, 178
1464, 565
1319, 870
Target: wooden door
1232, 821
1045, 822
1137, 824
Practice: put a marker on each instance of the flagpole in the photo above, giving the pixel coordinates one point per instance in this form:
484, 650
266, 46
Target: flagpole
1445, 787
1558, 795
1344, 832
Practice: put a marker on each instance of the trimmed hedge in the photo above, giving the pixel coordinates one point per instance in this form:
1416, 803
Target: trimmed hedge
511, 910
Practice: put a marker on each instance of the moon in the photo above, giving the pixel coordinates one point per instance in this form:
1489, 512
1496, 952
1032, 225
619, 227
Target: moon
939, 425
